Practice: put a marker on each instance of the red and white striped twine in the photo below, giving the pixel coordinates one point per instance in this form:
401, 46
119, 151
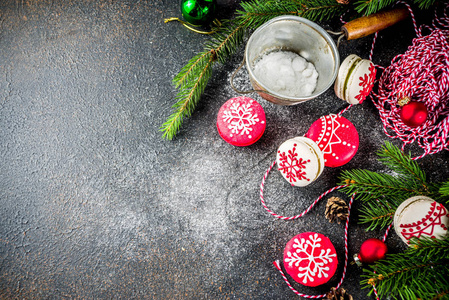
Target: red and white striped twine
345, 109
276, 263
421, 73
262, 184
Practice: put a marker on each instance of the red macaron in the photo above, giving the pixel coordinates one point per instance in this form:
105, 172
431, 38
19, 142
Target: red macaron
310, 259
336, 137
241, 121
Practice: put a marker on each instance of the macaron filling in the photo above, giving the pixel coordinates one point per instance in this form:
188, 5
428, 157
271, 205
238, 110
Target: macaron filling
348, 76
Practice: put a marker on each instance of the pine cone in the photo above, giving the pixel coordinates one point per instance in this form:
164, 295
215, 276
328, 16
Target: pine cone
336, 209
339, 294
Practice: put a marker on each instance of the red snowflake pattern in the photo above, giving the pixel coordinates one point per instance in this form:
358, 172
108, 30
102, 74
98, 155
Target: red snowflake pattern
292, 166
366, 82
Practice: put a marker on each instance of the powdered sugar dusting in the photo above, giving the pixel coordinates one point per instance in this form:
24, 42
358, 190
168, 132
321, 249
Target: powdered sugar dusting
286, 73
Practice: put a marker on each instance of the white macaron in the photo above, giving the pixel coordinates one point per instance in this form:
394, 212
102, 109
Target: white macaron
300, 161
355, 79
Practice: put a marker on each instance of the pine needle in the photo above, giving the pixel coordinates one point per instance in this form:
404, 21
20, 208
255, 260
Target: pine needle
192, 79
444, 189
378, 214
418, 273
368, 7
425, 4
227, 39
188, 97
397, 161
382, 193
195, 66
371, 185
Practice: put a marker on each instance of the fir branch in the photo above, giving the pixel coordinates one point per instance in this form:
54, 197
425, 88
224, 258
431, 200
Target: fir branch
371, 185
260, 11
368, 7
187, 98
194, 66
321, 10
429, 246
397, 161
194, 76
383, 193
419, 272
444, 189
227, 40
441, 191
425, 4
257, 12
377, 214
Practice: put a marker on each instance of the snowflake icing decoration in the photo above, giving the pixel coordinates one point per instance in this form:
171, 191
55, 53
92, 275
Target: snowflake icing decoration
317, 263
292, 165
329, 134
366, 82
241, 118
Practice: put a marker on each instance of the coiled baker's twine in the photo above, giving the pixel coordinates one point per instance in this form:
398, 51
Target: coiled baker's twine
422, 74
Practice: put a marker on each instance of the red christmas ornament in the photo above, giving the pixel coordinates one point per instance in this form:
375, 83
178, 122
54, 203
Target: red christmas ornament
371, 251
413, 113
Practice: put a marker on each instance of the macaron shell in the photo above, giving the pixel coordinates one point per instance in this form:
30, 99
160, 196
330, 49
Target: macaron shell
241, 121
343, 72
336, 137
355, 79
300, 161
421, 216
319, 154
310, 259
360, 82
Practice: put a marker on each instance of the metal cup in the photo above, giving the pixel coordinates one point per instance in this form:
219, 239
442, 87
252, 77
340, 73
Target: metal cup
299, 35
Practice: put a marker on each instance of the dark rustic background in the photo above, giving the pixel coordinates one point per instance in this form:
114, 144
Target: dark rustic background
94, 204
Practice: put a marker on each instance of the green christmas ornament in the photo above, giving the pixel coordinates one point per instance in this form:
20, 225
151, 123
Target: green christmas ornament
198, 12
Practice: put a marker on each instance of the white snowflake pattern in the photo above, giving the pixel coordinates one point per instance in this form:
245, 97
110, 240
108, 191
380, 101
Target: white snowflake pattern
328, 136
240, 118
316, 266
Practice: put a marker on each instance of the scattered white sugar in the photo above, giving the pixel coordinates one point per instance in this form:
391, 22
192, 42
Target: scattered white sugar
286, 73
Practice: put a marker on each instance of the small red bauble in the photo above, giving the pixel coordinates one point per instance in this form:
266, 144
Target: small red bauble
413, 114
336, 137
241, 121
310, 259
371, 251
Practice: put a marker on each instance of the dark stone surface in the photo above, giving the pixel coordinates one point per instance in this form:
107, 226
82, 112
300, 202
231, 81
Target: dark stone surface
94, 204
